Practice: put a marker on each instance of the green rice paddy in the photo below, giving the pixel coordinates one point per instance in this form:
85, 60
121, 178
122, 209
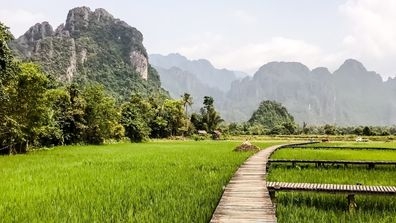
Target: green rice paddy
164, 181
322, 207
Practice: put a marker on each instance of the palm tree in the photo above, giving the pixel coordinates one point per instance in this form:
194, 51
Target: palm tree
213, 119
187, 101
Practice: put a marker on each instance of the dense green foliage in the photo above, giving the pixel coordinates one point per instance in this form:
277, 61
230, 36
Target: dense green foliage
318, 207
36, 110
168, 181
270, 118
153, 117
208, 119
273, 118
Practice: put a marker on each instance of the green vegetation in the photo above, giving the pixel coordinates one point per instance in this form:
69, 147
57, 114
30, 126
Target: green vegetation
271, 115
164, 181
334, 175
334, 154
271, 118
50, 114
315, 207
208, 119
353, 144
322, 207
96, 50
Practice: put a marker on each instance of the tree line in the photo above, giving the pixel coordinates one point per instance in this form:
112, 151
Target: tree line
37, 111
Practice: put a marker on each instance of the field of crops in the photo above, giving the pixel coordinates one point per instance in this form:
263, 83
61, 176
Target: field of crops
168, 181
318, 207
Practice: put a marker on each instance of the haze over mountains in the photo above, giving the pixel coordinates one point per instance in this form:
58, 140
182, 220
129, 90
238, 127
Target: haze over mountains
349, 96
208, 74
95, 47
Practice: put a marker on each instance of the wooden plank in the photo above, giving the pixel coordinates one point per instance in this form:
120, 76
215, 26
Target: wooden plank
246, 198
333, 188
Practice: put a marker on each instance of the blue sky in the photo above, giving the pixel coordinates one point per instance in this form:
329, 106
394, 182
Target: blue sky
244, 35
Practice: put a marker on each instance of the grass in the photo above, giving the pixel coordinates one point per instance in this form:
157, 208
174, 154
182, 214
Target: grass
322, 207
334, 154
164, 181
350, 175
353, 144
314, 207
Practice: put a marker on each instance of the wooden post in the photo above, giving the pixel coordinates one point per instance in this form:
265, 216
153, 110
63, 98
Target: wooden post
273, 196
371, 166
351, 203
293, 164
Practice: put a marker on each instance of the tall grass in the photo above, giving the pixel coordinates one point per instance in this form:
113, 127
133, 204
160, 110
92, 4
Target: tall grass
152, 182
353, 144
334, 154
317, 207
321, 207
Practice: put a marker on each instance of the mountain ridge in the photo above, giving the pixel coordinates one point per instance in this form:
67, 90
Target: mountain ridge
315, 96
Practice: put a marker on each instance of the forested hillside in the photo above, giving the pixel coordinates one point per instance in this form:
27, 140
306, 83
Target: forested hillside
91, 47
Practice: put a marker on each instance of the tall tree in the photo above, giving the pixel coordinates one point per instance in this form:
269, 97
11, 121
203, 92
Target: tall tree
210, 117
174, 115
101, 114
135, 117
32, 113
8, 71
187, 102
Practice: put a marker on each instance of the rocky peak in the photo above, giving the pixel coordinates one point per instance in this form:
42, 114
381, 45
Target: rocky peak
353, 69
321, 71
61, 31
102, 14
282, 69
77, 18
39, 31
101, 33
352, 65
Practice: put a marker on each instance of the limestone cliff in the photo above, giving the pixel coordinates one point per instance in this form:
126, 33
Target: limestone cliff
90, 46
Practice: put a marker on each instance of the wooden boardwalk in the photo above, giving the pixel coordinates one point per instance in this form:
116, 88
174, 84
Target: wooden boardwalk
339, 147
246, 197
332, 188
350, 190
370, 163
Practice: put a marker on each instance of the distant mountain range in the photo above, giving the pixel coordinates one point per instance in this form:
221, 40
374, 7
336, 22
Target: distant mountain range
349, 96
95, 47
202, 69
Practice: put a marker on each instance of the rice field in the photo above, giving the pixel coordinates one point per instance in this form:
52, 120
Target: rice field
164, 181
322, 207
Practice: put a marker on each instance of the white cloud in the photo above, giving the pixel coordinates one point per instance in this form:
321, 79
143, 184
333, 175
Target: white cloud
244, 17
370, 38
251, 56
254, 55
372, 33
19, 20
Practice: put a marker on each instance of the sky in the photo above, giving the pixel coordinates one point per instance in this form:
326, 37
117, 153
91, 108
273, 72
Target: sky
243, 35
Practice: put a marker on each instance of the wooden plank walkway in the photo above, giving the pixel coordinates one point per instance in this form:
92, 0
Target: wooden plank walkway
332, 188
370, 163
340, 147
246, 197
